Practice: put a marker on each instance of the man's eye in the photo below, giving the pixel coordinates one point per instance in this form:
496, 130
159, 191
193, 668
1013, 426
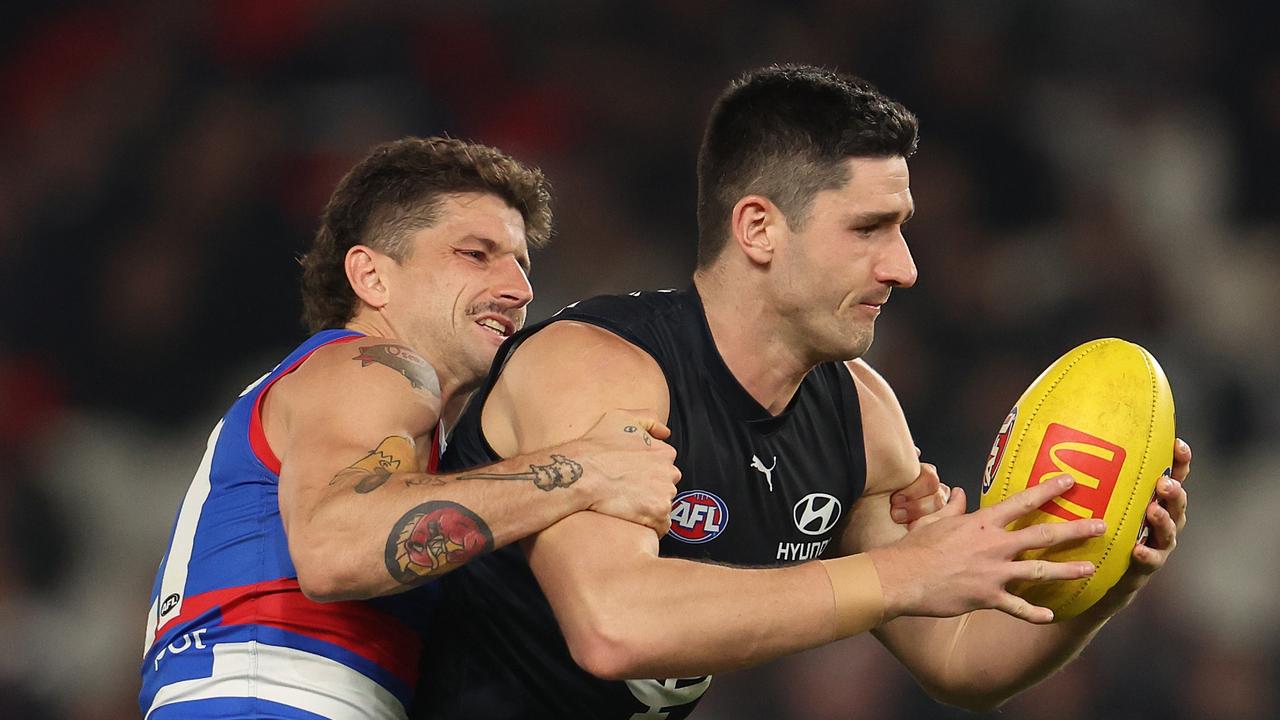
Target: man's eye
473, 254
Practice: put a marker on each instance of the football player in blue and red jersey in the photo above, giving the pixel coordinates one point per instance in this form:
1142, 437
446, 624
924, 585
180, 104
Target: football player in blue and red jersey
317, 502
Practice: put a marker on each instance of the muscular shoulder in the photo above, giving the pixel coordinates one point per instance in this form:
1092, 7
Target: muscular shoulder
367, 377
584, 359
891, 457
571, 372
633, 307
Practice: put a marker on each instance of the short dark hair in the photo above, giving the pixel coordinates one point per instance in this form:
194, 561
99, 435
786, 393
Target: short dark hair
396, 191
784, 132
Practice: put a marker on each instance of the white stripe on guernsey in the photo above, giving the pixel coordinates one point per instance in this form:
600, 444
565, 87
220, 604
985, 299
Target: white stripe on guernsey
184, 536
258, 382
290, 677
150, 638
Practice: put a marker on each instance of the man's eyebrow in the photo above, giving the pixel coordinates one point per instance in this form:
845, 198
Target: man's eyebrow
492, 247
878, 218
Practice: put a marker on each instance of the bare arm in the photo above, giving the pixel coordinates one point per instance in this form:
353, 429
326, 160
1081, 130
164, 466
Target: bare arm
363, 519
626, 612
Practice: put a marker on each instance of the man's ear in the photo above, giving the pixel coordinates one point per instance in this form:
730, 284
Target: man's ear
362, 266
755, 224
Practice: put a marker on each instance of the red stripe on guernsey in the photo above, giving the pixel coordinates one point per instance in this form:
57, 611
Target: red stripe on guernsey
352, 625
433, 457
258, 438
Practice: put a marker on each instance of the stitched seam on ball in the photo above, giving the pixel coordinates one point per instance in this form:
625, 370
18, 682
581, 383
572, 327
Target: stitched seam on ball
1036, 411
1146, 451
1013, 456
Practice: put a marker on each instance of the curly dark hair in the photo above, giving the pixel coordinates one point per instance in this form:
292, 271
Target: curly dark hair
784, 132
394, 192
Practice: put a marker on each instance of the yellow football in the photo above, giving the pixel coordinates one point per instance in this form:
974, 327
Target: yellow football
1102, 413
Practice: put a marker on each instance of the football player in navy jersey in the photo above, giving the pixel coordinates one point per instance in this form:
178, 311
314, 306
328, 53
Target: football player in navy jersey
785, 440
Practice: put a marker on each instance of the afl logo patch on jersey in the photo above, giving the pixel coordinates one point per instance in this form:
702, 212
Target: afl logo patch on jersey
698, 516
169, 604
816, 513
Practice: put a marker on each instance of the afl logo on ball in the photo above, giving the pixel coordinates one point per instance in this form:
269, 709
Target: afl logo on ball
816, 513
997, 450
698, 516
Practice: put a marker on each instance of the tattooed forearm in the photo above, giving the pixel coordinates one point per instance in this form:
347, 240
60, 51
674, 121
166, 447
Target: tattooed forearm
408, 363
393, 454
560, 472
434, 538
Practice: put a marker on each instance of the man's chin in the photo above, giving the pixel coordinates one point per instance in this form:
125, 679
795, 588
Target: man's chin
857, 345
484, 359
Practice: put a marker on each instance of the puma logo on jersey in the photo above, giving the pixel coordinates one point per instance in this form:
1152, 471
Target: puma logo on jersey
758, 464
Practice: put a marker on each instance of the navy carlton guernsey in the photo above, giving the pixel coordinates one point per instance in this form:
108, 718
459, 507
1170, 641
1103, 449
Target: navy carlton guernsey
757, 490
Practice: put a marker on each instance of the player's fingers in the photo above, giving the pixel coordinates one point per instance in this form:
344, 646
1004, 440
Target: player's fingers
1033, 497
1147, 559
640, 420
1164, 531
663, 526
918, 499
654, 427
1181, 460
1042, 535
943, 497
925, 484
955, 506
1023, 610
1173, 496
916, 510
1044, 570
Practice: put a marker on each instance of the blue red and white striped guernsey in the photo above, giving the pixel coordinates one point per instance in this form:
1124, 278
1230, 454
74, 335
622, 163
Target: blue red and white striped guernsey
230, 634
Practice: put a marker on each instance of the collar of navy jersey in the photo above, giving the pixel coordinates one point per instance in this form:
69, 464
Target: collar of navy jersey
727, 386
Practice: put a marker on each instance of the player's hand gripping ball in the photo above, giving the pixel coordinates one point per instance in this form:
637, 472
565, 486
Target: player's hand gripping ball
1103, 413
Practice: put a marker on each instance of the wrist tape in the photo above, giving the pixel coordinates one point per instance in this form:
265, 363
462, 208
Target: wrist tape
855, 587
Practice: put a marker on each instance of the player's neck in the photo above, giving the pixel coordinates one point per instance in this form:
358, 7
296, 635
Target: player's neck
453, 392
744, 331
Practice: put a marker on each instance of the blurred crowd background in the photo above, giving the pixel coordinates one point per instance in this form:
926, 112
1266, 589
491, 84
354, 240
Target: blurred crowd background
1087, 168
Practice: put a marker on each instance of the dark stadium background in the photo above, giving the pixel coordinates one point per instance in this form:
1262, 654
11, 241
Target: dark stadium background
1087, 168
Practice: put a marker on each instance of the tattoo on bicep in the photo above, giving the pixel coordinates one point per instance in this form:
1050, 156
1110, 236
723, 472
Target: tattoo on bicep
393, 454
408, 363
560, 472
434, 538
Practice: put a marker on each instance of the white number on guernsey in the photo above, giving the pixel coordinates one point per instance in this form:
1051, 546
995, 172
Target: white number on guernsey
173, 585
661, 695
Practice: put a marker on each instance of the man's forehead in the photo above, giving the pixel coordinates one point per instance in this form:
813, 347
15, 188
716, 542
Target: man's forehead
484, 210
876, 185
878, 171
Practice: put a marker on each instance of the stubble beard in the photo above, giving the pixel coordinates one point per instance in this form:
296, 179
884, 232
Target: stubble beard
860, 341
845, 343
